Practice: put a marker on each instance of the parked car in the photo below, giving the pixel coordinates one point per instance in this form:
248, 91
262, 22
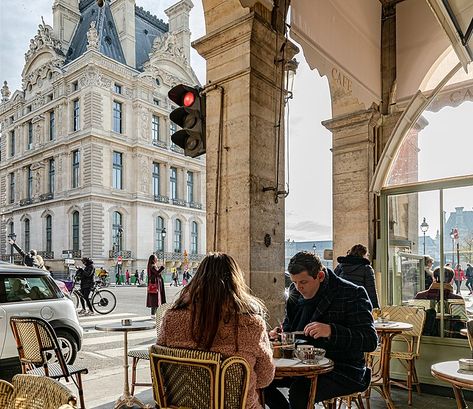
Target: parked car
28, 291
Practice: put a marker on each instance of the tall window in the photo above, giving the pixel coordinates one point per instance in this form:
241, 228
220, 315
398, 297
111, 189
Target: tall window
52, 126
12, 187
49, 233
75, 168
177, 236
12, 143
27, 243
117, 117
117, 88
75, 231
159, 234
172, 127
194, 238
51, 175
29, 183
190, 187
29, 144
117, 231
173, 182
76, 115
156, 186
155, 129
117, 170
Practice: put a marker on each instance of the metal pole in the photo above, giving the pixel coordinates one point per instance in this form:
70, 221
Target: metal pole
424, 243
453, 252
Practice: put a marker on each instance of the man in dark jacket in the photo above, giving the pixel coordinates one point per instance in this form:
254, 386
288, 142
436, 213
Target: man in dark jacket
86, 276
335, 315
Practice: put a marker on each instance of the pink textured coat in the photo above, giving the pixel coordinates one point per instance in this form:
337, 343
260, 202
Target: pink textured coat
252, 341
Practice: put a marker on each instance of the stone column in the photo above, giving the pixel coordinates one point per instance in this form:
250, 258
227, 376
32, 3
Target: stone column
354, 137
243, 217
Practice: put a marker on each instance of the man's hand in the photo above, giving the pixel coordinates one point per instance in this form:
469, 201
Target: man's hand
318, 330
274, 333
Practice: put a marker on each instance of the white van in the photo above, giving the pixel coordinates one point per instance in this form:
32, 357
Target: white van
31, 292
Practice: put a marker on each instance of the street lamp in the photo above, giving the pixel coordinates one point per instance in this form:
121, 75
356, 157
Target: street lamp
314, 248
290, 67
452, 236
424, 226
163, 236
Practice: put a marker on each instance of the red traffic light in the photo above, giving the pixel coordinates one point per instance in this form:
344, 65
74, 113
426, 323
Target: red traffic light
189, 99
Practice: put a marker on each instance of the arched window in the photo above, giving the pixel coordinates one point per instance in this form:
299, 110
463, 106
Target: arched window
27, 243
177, 236
159, 234
117, 231
75, 231
49, 233
194, 238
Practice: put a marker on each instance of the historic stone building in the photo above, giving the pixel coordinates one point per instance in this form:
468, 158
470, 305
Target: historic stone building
87, 165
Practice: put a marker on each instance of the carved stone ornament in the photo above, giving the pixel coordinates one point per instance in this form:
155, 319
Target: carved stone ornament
167, 79
44, 38
5, 92
39, 74
92, 37
94, 78
165, 45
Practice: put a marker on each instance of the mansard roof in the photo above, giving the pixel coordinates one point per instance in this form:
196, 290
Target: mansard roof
147, 28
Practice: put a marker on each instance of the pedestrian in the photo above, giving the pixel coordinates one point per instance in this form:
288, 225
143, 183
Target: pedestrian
459, 277
175, 278
355, 267
117, 278
155, 291
469, 277
137, 278
142, 276
86, 274
428, 272
127, 277
186, 276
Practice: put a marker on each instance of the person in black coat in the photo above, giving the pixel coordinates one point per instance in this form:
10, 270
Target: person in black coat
356, 268
86, 276
335, 315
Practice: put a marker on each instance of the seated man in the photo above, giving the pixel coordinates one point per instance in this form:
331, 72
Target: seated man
433, 292
335, 315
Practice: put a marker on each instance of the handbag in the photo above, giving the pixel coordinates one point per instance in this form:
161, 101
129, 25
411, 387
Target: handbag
152, 288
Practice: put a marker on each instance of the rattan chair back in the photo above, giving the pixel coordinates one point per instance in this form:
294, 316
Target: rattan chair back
161, 310
6, 392
457, 310
38, 392
35, 338
184, 378
411, 315
469, 329
234, 381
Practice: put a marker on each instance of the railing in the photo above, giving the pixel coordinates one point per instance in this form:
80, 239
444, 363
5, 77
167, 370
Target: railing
194, 205
173, 256
179, 202
26, 202
47, 255
177, 149
73, 253
196, 257
160, 144
46, 196
17, 258
161, 199
126, 254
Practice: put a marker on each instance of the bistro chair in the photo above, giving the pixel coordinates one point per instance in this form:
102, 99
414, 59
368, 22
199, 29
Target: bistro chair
411, 339
197, 379
37, 344
469, 331
143, 353
35, 392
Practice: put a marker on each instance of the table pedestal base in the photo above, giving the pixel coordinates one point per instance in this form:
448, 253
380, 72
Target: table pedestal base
129, 402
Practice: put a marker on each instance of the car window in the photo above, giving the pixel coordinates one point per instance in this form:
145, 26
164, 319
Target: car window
28, 288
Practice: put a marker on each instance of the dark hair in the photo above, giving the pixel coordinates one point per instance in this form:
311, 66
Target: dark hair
305, 261
358, 250
449, 274
151, 260
428, 259
219, 280
87, 261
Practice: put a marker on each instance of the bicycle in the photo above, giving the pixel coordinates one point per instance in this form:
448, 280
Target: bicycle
103, 301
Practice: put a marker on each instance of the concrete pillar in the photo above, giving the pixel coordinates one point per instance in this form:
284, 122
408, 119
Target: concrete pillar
354, 152
243, 217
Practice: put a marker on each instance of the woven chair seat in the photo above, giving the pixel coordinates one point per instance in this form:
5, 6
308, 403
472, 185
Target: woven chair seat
139, 353
55, 370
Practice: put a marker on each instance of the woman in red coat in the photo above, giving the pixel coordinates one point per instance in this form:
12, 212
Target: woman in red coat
155, 294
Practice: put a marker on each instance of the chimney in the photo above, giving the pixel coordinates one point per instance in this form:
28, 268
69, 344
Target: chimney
123, 12
66, 16
178, 16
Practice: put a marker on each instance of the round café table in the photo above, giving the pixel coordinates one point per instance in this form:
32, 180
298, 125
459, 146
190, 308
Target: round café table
127, 399
381, 378
288, 368
464, 332
450, 372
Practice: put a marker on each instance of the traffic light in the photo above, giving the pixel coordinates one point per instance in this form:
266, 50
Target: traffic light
190, 117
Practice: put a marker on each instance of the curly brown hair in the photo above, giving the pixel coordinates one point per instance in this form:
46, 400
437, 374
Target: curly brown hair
358, 250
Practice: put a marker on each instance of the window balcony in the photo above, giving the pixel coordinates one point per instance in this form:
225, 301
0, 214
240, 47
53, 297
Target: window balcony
175, 256
160, 144
17, 258
161, 199
47, 255
195, 205
177, 149
26, 202
46, 196
179, 202
125, 254
72, 254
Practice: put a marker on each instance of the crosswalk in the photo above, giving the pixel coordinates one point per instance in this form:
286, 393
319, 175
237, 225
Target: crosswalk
105, 345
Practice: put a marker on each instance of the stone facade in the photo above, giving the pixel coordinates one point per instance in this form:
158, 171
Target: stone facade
100, 107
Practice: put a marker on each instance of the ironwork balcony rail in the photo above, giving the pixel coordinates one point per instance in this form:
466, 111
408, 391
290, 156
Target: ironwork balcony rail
161, 199
195, 205
179, 202
125, 254
177, 256
73, 253
46, 196
177, 149
47, 255
160, 144
26, 202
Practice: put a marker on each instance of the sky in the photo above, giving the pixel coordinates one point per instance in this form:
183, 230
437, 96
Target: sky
309, 204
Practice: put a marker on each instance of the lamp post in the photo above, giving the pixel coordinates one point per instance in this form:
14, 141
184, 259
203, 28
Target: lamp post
163, 236
290, 67
452, 236
12, 236
424, 227
117, 249
314, 249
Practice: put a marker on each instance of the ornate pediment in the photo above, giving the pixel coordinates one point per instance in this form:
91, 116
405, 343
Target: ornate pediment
166, 46
44, 39
165, 77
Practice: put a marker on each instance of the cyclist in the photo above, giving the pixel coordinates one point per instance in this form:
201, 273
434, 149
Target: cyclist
86, 276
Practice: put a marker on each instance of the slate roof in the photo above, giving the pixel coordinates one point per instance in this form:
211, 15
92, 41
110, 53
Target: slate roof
147, 28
